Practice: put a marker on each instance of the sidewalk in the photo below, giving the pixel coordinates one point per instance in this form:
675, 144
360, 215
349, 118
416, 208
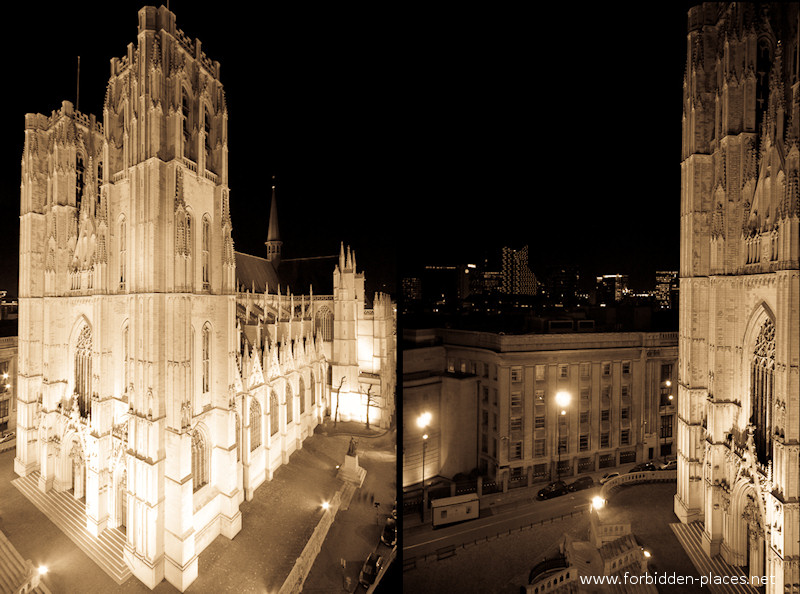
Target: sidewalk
276, 524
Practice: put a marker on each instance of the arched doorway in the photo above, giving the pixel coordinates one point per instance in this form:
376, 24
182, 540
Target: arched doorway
747, 530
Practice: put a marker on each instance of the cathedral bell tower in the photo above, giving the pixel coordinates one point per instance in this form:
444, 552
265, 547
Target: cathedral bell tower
273, 243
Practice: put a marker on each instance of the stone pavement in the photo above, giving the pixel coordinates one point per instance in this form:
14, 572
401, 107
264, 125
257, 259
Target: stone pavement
356, 531
275, 525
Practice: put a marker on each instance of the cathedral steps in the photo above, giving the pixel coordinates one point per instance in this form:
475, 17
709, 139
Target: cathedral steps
69, 515
690, 536
13, 569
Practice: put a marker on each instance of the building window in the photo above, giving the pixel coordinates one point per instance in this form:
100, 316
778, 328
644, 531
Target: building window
187, 124
585, 414
123, 253
516, 374
540, 372
625, 413
666, 372
585, 394
515, 450
80, 179
274, 413
302, 396
206, 359
539, 447
83, 370
125, 356
516, 423
539, 416
485, 419
605, 415
289, 403
199, 460
485, 392
626, 367
255, 424
584, 443
605, 440
563, 444
606, 369
563, 371
207, 131
625, 437
762, 369
516, 401
324, 323
206, 245
3, 408
666, 426
625, 391
586, 369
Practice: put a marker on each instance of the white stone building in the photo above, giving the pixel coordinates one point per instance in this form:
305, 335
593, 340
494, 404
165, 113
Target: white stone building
157, 380
738, 392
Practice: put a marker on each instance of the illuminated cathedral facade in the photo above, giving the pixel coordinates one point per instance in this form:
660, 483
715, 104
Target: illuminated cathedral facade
739, 342
163, 376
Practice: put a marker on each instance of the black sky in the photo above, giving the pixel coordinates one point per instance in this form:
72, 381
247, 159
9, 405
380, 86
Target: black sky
432, 135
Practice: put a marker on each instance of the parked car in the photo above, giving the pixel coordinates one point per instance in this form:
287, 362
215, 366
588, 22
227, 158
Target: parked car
370, 569
671, 465
585, 482
643, 467
7, 437
554, 489
607, 477
389, 534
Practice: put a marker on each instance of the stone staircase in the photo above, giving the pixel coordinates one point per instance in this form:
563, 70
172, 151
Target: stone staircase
69, 515
14, 569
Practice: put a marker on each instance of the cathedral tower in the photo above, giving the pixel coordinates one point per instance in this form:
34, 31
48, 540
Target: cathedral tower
274, 243
127, 304
739, 347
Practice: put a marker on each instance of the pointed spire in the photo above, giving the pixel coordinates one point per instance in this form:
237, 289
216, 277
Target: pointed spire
341, 256
273, 243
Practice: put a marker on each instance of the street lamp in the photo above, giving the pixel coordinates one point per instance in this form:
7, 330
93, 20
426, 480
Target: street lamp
422, 422
562, 400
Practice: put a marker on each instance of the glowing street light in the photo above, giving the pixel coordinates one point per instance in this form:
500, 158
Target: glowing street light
598, 502
562, 400
424, 420
325, 505
42, 569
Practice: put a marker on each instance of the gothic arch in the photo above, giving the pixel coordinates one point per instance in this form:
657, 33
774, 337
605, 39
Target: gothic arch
746, 527
255, 424
274, 413
201, 457
757, 369
80, 363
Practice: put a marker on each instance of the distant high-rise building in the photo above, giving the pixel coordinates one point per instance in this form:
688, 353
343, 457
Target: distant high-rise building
518, 279
562, 284
611, 288
666, 293
412, 289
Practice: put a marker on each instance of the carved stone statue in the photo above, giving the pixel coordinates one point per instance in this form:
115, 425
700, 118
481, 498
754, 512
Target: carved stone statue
351, 450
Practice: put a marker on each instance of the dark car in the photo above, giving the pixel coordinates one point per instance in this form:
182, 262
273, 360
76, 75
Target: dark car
370, 569
554, 489
389, 534
585, 482
643, 467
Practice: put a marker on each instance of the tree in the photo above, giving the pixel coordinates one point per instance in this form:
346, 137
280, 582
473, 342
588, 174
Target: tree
370, 400
336, 413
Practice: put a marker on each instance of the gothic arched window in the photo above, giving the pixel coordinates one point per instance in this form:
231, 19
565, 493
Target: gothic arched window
324, 323
302, 396
80, 176
187, 124
206, 354
255, 424
83, 370
125, 362
289, 403
313, 391
206, 246
123, 253
274, 416
200, 465
761, 388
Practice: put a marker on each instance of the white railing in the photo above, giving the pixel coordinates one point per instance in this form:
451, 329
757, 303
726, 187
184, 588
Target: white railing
632, 478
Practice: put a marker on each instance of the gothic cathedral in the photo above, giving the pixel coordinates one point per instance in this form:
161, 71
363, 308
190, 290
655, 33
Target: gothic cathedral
739, 345
163, 376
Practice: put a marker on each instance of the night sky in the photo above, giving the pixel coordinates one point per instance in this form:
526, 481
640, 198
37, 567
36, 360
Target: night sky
416, 135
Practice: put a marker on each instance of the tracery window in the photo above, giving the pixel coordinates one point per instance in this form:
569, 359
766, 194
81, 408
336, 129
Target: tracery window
83, 370
289, 403
187, 125
273, 413
324, 323
80, 173
255, 424
206, 358
302, 396
125, 364
123, 253
761, 387
200, 466
206, 241
313, 391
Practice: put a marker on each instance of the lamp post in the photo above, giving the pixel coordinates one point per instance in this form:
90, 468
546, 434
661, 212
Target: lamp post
562, 400
422, 422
